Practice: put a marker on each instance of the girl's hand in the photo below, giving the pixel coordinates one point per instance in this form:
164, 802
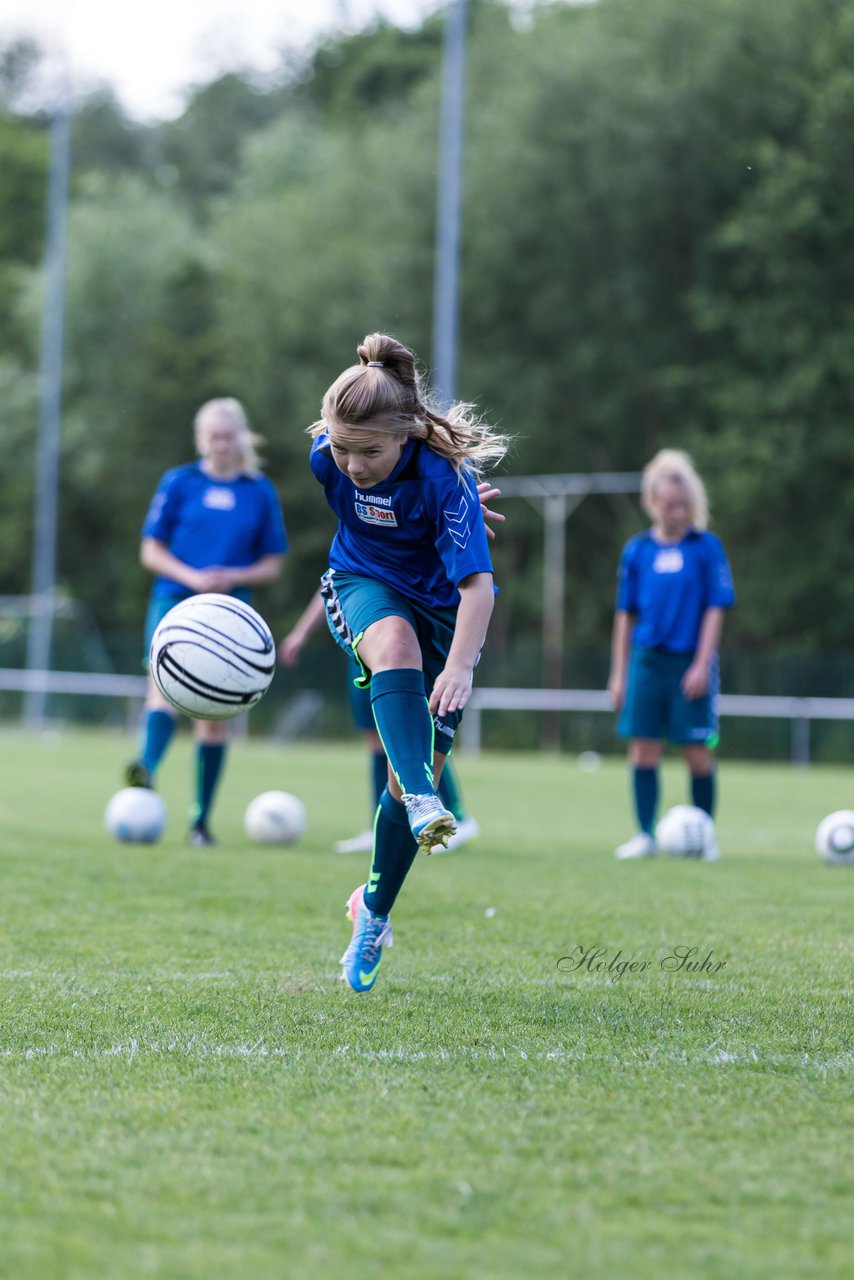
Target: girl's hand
451, 691
617, 690
695, 681
212, 579
486, 491
290, 649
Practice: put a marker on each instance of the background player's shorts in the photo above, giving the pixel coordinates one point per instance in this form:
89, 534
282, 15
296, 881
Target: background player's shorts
656, 707
353, 603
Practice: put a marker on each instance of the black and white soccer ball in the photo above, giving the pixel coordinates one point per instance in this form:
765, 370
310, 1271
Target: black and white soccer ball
687, 832
212, 657
136, 815
275, 817
834, 838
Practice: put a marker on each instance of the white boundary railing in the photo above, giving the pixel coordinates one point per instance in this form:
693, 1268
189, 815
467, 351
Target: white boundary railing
801, 711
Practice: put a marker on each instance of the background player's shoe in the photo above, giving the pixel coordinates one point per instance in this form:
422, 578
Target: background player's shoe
200, 837
361, 961
467, 829
640, 846
711, 853
362, 843
137, 775
430, 822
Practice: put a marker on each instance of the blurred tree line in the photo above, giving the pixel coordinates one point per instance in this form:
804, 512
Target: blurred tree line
657, 250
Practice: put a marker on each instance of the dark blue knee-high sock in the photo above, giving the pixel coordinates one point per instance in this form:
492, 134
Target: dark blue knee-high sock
403, 722
703, 792
395, 848
449, 791
157, 730
379, 776
645, 789
210, 758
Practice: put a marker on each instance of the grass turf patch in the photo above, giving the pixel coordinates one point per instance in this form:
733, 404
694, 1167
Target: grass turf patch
188, 1090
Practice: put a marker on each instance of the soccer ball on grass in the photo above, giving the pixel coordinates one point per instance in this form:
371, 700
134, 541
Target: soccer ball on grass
834, 839
687, 832
275, 817
136, 815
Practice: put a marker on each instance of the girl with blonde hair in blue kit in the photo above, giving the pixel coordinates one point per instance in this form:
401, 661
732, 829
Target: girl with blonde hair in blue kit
673, 590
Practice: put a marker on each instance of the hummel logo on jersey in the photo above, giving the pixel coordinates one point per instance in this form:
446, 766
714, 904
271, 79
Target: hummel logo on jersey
459, 534
380, 516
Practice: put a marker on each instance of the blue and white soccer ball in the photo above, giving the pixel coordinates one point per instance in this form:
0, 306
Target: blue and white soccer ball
275, 817
136, 815
687, 832
212, 657
834, 839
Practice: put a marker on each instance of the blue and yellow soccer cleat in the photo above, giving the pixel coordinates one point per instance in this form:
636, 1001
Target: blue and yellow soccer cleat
429, 821
361, 961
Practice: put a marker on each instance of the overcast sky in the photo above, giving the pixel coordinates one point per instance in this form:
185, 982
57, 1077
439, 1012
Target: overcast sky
151, 51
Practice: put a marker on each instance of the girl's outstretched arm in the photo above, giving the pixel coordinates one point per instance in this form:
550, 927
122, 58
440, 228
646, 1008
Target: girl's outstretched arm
452, 689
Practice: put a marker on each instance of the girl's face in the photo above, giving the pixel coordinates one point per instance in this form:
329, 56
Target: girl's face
367, 457
670, 507
218, 442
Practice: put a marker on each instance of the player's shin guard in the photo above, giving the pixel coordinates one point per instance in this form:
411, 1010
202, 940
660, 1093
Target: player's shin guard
645, 791
403, 722
210, 758
157, 732
395, 848
703, 792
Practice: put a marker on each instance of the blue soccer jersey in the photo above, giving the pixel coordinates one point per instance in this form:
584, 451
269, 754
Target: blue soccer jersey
421, 531
669, 586
205, 522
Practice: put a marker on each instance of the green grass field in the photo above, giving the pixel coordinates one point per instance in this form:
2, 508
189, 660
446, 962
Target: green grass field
189, 1091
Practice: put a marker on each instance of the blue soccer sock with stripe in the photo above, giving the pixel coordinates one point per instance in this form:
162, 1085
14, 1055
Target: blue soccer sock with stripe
645, 790
210, 758
395, 848
405, 727
703, 792
157, 730
449, 791
379, 775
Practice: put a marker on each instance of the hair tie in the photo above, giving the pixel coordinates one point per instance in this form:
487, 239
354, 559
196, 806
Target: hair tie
375, 364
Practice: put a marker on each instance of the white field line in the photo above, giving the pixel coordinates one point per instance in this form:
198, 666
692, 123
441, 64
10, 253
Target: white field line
196, 1047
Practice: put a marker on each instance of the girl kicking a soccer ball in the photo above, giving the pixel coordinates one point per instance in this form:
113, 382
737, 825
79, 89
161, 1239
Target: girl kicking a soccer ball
409, 594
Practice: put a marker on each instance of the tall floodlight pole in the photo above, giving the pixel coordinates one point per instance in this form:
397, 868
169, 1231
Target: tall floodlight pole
449, 204
40, 630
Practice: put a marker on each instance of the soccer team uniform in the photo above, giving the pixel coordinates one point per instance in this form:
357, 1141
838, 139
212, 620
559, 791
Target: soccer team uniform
401, 548
667, 588
205, 521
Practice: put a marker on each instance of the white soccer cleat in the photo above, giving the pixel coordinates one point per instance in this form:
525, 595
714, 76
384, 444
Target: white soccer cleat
711, 853
640, 846
429, 821
362, 843
467, 829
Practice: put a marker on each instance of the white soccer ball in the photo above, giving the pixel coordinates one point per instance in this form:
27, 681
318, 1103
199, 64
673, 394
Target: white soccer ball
212, 657
136, 815
686, 832
275, 817
834, 839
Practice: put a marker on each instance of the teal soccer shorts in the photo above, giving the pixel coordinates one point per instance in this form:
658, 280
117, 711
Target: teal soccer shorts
353, 603
656, 707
